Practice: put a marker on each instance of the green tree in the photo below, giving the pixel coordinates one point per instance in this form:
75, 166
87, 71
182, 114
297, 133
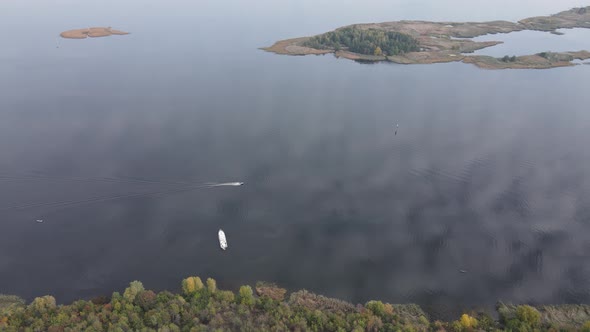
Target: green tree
376, 307
44, 303
131, 292
246, 295
365, 41
211, 285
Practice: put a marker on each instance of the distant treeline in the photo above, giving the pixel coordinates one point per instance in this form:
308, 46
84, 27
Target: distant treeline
364, 41
204, 307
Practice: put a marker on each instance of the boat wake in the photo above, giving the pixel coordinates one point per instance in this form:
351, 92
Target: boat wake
225, 184
176, 187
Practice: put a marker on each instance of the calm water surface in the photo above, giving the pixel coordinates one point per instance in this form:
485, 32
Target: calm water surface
107, 141
533, 42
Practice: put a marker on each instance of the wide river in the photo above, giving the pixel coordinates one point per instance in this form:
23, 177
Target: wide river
482, 195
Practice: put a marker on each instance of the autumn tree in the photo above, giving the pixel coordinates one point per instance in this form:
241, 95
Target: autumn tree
146, 300
191, 284
468, 322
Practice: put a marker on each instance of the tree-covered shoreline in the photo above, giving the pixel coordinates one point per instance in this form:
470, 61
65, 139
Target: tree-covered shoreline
364, 41
204, 307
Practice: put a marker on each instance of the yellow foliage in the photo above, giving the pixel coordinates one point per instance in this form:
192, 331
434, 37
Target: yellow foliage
468, 322
586, 327
378, 51
191, 284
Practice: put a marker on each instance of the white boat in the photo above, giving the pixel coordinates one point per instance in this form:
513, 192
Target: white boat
225, 184
222, 240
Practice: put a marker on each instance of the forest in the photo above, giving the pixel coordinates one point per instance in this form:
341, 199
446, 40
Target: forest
203, 307
364, 41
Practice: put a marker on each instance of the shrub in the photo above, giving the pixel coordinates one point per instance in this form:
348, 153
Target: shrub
528, 315
225, 296
100, 300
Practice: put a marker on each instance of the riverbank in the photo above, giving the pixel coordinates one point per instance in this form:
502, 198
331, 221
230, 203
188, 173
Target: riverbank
451, 42
204, 307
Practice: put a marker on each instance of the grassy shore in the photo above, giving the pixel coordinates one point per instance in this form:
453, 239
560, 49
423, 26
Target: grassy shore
266, 307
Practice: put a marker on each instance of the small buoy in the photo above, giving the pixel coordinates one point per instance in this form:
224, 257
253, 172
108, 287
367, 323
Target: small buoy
463, 271
39, 220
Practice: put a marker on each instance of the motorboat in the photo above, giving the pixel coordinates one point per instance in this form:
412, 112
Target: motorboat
222, 239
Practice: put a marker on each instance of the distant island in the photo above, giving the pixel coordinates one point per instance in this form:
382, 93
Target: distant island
204, 307
91, 32
421, 42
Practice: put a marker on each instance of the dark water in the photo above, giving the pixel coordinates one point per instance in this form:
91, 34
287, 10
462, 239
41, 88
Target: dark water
106, 140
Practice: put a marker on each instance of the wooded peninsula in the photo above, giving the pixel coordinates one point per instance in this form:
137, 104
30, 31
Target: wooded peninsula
421, 42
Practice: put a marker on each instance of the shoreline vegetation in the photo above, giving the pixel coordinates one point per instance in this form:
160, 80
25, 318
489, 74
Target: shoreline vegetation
203, 307
421, 42
91, 32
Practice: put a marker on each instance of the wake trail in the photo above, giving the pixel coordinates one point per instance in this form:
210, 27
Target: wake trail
97, 199
12, 178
